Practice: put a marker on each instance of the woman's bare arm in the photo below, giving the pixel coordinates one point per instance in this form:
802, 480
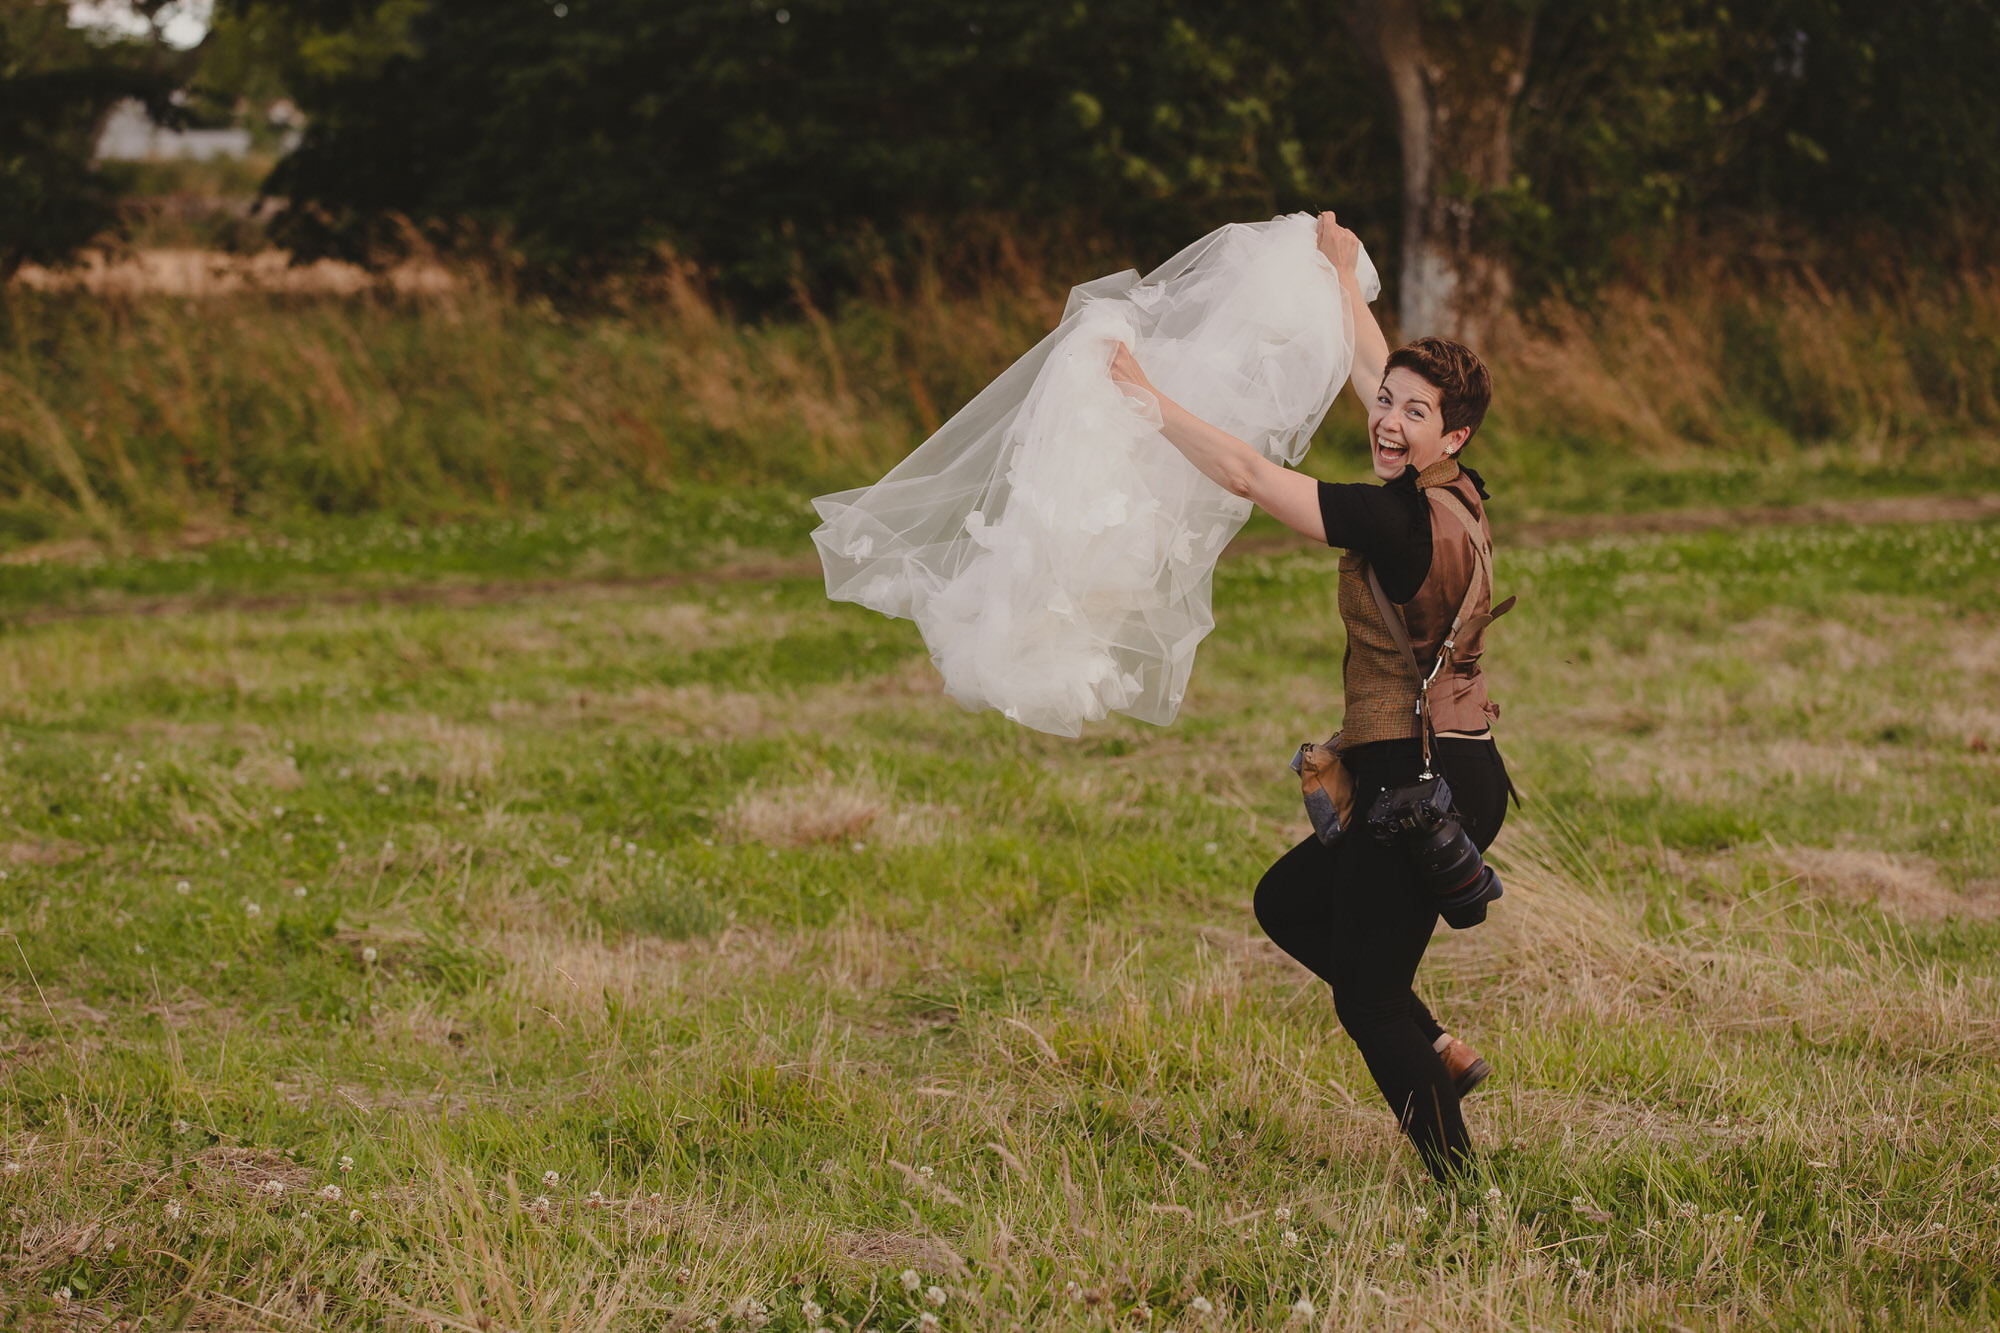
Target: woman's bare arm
1342, 249
1290, 497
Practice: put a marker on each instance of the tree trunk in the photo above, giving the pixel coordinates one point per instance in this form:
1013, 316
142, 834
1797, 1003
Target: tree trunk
1453, 84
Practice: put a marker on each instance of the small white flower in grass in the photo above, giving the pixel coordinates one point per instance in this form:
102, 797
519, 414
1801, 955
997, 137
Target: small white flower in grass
810, 1309
340, 845
857, 847
1210, 848
346, 1164
911, 1281
1303, 1307
368, 954
273, 1187
928, 1322
138, 948
1737, 1218
288, 837
1493, 1195
331, 1193
926, 1171
1578, 1201
381, 789
183, 887
1397, 1249
278, 812
552, 1178
1071, 1290
711, 1324
224, 853
631, 848
935, 1295
354, 1214
104, 777
182, 1127
252, 909
1143, 1313
1202, 1305
1281, 1214
1420, 1212
173, 1210
595, 1198
62, 1296
319, 819
1291, 1238
299, 892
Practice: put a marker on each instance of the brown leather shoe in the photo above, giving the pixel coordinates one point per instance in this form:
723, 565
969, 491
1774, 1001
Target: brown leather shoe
1465, 1065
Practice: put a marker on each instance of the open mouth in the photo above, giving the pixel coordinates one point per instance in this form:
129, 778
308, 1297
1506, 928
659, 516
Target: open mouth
1390, 453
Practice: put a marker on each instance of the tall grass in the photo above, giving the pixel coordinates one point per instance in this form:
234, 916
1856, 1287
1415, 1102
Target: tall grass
149, 414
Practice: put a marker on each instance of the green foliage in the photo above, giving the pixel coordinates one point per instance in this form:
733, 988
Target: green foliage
806, 139
822, 138
55, 86
1822, 115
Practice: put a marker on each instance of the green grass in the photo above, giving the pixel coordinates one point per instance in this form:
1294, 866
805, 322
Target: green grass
698, 895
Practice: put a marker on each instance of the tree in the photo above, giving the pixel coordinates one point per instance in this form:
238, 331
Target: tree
56, 84
1454, 73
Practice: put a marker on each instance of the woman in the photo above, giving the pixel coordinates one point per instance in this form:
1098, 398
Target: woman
1353, 912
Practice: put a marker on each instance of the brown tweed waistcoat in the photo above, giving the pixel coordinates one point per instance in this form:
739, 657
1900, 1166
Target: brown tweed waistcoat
1381, 695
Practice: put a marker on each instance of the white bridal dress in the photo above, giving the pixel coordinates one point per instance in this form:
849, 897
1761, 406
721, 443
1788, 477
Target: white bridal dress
1054, 549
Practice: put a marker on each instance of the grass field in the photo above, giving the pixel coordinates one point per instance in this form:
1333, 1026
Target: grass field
525, 925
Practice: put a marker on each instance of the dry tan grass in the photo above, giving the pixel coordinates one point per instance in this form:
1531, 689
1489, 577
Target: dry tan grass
1904, 886
827, 810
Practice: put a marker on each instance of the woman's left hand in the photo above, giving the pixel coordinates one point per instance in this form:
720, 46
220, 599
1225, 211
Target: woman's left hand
1126, 374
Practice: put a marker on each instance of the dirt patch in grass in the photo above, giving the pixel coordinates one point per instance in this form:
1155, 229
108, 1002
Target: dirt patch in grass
1906, 886
42, 852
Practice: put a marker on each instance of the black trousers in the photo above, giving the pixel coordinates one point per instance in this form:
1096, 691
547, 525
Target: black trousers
1356, 916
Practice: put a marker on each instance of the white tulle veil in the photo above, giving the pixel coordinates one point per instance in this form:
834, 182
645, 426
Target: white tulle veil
1054, 550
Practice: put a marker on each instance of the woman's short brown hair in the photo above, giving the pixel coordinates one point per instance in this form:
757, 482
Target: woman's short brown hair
1464, 385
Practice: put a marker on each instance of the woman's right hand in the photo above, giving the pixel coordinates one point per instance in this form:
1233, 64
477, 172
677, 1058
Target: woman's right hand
1341, 247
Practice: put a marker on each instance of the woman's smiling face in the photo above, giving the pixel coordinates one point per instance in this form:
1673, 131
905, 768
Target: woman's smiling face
1406, 425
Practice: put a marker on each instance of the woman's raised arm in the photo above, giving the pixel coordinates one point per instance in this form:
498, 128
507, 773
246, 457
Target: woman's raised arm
1290, 497
1342, 249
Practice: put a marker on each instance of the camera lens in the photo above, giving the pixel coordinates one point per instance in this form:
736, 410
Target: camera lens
1450, 866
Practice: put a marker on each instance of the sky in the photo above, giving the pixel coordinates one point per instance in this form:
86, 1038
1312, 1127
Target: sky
183, 23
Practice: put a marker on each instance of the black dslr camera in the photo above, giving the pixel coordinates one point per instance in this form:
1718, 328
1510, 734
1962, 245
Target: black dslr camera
1418, 819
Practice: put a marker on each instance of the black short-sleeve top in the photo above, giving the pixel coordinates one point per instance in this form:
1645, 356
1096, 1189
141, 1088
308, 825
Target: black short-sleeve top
1389, 524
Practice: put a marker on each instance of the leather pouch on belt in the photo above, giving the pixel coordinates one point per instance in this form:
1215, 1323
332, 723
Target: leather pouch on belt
1327, 786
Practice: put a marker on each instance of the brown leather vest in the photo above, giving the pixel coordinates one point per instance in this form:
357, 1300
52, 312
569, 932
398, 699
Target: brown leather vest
1381, 694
